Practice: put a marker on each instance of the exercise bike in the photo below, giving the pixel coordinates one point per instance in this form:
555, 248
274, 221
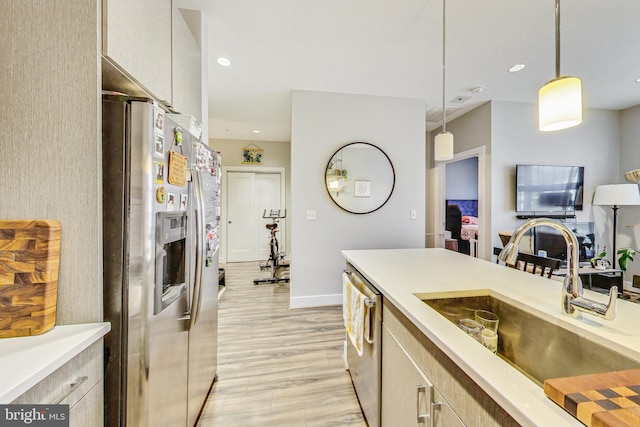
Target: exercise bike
276, 261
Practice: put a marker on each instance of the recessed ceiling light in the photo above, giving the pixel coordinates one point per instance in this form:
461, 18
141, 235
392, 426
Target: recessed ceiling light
638, 80
224, 62
516, 68
256, 131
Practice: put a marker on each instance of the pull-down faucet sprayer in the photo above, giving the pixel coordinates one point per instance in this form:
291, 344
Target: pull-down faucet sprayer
572, 300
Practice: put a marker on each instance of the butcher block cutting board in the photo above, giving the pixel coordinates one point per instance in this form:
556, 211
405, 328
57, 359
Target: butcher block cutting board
29, 260
598, 400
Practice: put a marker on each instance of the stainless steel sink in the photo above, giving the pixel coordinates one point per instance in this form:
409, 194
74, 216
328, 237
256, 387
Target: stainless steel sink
536, 347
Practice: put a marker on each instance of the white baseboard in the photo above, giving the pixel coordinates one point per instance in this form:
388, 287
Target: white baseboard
315, 301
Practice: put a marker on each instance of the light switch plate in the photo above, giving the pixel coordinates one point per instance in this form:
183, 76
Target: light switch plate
414, 214
311, 215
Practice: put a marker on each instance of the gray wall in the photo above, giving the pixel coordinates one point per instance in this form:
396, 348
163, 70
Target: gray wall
276, 154
322, 123
595, 144
509, 133
50, 141
470, 131
462, 179
629, 216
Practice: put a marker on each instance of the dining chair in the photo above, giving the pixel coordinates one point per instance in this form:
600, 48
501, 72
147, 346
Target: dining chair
543, 266
496, 252
533, 263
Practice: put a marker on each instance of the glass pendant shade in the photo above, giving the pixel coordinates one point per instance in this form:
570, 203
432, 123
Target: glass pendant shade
443, 147
560, 104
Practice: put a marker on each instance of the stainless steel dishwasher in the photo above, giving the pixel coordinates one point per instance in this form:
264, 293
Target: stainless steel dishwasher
366, 370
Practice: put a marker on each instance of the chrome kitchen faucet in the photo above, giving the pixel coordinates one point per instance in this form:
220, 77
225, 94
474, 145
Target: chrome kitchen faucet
573, 302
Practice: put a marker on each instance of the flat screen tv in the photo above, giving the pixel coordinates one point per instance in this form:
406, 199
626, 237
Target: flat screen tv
542, 188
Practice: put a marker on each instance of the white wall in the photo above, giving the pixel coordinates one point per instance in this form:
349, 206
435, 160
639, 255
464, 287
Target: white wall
322, 123
595, 144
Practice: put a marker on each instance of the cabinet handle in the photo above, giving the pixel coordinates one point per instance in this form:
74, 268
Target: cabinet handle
432, 410
433, 406
421, 417
72, 387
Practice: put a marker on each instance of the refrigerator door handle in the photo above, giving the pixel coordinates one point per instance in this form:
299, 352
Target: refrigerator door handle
199, 214
185, 316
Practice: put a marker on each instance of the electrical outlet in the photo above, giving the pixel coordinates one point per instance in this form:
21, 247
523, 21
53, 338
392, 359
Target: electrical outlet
311, 215
414, 214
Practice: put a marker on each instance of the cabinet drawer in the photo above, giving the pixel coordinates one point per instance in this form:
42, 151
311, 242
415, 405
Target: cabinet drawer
66, 385
89, 411
407, 393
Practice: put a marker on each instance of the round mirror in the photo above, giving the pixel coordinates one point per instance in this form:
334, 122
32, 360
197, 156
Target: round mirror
360, 178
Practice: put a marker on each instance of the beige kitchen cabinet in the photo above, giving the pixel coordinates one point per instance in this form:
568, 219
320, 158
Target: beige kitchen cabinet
152, 48
88, 411
408, 397
136, 35
189, 28
409, 357
77, 383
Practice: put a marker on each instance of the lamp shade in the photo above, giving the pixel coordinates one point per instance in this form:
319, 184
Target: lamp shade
560, 104
443, 149
617, 195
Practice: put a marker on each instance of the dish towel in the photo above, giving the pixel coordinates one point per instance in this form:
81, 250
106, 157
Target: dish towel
355, 313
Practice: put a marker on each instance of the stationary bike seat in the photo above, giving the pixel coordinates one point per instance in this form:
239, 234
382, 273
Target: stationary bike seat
271, 226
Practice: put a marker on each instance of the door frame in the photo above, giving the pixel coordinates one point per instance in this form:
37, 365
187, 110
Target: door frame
223, 198
439, 188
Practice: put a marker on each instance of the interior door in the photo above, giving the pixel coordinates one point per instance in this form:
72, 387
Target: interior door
462, 186
248, 195
267, 196
240, 210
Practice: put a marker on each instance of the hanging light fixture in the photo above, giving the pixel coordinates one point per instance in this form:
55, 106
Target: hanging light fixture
560, 100
443, 149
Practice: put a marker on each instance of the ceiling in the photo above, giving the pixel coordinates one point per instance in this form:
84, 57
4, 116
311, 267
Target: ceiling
394, 48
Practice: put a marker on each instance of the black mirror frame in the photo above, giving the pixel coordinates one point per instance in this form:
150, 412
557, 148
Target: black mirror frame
393, 173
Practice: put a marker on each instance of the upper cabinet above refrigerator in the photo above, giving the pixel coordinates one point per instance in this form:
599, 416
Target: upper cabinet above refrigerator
128, 40
160, 57
189, 81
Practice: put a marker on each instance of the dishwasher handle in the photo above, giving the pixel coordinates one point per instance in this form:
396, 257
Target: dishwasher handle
369, 302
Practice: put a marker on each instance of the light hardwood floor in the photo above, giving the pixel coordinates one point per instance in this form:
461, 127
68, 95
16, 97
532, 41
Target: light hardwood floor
276, 366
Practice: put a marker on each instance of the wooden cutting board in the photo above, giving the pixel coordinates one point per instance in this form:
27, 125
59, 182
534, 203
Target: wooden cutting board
599, 400
29, 259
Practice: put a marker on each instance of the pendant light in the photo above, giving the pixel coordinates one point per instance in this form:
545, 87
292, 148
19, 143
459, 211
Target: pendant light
443, 147
560, 100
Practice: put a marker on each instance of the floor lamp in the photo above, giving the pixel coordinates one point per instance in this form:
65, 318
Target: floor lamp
616, 195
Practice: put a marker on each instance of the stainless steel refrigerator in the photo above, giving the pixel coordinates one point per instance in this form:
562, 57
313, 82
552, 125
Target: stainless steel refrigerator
161, 211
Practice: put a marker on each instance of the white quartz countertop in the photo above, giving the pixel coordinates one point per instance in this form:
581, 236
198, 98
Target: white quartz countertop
400, 274
25, 361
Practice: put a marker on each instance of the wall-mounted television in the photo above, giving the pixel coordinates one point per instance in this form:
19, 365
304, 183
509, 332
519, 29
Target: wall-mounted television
543, 188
